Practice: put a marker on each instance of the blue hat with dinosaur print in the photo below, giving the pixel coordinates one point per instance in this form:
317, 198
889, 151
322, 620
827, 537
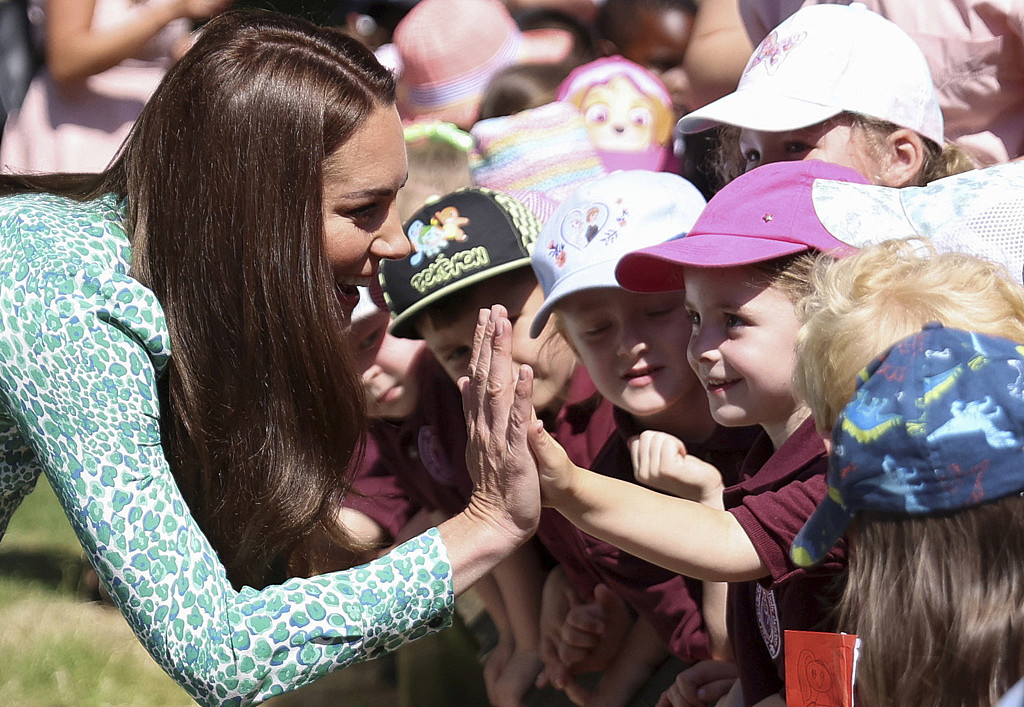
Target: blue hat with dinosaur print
936, 425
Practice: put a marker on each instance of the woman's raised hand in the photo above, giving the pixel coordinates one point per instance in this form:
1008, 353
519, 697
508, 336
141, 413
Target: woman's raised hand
499, 414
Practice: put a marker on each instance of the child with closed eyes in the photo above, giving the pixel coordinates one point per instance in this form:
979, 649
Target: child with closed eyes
629, 344
744, 266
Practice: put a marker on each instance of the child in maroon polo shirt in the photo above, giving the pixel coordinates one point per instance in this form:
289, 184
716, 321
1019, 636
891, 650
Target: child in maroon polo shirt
630, 345
743, 266
472, 250
396, 483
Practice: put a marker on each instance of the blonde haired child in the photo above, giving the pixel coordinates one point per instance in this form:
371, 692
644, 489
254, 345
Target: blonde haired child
744, 328
953, 569
925, 479
861, 305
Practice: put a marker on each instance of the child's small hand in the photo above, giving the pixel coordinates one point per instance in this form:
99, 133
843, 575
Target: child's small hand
519, 674
662, 462
592, 633
557, 599
701, 684
557, 472
496, 660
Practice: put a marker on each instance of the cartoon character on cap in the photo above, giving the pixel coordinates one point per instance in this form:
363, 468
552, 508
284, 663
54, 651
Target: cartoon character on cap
627, 111
429, 239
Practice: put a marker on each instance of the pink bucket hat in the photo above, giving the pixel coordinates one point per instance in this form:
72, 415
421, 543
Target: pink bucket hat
449, 50
764, 214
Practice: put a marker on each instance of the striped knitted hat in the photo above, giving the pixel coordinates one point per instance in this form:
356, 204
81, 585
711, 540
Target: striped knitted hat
543, 150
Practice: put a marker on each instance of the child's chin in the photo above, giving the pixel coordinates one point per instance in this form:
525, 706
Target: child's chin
730, 417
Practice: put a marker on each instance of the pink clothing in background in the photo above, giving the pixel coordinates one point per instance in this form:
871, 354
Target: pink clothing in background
78, 128
975, 50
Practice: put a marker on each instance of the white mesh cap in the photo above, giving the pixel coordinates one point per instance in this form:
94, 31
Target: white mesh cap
980, 212
824, 60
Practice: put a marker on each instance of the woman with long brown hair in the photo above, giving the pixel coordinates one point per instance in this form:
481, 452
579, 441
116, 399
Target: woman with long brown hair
172, 357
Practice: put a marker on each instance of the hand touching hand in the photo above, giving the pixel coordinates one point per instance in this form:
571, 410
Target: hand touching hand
557, 472
499, 412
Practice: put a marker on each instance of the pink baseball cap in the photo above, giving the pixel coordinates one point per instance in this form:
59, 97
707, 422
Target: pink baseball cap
764, 214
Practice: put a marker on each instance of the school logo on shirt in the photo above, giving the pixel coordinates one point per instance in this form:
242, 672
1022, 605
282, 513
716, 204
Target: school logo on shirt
433, 457
768, 620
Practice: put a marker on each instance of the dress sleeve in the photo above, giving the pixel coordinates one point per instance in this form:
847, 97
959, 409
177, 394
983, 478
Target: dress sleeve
81, 347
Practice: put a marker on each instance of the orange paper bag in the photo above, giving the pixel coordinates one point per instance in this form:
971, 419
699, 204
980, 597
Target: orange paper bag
820, 669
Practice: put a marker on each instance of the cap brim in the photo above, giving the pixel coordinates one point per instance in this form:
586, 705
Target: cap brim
820, 533
404, 325
462, 113
756, 110
659, 268
860, 215
598, 276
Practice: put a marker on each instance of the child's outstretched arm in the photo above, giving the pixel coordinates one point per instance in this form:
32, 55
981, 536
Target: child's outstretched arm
681, 535
660, 460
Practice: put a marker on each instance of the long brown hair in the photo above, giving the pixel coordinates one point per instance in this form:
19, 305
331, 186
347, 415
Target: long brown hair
938, 603
223, 178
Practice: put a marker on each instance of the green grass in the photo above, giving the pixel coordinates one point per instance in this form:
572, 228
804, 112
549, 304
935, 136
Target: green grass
54, 649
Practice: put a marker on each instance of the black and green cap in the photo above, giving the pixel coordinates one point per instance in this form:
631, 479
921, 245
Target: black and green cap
458, 240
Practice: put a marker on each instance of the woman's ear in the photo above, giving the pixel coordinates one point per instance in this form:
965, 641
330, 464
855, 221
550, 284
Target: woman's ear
904, 158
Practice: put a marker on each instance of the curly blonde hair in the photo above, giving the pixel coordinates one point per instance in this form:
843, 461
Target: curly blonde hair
862, 305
